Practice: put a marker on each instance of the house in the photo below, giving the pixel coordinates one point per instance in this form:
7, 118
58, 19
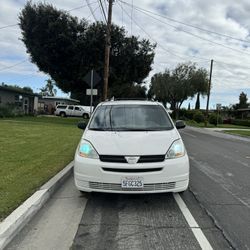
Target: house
244, 112
47, 104
18, 99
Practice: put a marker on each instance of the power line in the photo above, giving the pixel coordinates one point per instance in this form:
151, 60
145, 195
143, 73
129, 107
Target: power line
23, 61
106, 7
31, 75
14, 65
190, 33
190, 25
81, 6
205, 59
148, 33
8, 26
131, 23
231, 64
103, 11
91, 10
162, 47
102, 16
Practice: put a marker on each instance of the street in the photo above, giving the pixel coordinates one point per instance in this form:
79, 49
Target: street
218, 199
220, 173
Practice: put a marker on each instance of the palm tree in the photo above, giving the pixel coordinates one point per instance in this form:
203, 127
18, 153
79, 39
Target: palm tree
48, 89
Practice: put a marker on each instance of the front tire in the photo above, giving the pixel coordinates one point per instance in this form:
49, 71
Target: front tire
62, 114
85, 116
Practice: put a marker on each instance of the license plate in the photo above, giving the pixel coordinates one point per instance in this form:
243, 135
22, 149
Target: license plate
132, 182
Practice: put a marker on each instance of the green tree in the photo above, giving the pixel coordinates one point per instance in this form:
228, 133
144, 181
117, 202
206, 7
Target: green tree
67, 48
243, 100
160, 87
200, 84
28, 89
25, 89
176, 86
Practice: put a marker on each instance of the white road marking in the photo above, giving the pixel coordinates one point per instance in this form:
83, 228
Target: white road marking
186, 133
200, 237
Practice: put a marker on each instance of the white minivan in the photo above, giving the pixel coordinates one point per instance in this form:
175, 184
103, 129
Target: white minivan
131, 147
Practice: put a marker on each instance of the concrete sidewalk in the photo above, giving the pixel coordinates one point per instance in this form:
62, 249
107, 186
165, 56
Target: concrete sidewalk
55, 225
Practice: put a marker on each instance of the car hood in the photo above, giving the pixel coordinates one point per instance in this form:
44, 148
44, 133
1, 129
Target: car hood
131, 143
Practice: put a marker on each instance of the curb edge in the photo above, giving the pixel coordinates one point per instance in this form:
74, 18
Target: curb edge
12, 224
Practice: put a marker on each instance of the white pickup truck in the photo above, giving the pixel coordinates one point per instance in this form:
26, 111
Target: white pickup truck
72, 110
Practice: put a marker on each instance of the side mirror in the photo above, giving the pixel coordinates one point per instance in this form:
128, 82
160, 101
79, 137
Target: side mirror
180, 124
82, 125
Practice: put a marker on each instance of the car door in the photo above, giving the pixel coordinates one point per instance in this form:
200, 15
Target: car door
70, 110
77, 111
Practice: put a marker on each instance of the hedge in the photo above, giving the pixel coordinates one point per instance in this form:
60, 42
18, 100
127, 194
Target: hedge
198, 116
241, 122
215, 119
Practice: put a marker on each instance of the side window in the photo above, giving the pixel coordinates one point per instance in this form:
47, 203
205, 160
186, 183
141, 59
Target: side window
16, 98
61, 107
77, 108
70, 107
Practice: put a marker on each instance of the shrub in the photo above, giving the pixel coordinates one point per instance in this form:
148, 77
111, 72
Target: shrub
241, 122
6, 111
10, 111
198, 117
214, 118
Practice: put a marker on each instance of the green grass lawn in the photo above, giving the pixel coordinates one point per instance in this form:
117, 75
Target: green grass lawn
32, 150
202, 125
245, 133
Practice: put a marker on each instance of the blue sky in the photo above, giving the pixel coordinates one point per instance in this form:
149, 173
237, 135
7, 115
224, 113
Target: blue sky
175, 43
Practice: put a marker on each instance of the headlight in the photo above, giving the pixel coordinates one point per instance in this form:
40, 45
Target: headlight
86, 150
176, 150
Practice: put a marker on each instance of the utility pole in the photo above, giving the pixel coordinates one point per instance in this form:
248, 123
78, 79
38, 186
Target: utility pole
107, 51
91, 84
208, 91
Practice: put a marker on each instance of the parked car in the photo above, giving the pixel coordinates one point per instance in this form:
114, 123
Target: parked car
131, 147
71, 110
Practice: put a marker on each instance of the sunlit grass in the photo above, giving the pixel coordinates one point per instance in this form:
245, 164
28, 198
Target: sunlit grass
245, 133
32, 150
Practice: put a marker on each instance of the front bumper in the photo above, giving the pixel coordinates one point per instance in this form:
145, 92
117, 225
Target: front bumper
172, 175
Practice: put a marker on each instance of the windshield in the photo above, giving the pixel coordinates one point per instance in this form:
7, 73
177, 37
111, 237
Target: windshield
130, 118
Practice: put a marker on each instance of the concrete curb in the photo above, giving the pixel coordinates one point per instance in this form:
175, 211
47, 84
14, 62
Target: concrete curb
11, 225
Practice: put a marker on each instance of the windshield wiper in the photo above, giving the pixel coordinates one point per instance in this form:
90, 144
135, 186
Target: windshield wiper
99, 129
133, 129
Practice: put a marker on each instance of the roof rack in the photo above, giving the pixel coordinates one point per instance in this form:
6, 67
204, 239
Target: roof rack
130, 99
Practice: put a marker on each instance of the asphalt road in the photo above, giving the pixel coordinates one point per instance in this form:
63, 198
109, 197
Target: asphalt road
220, 181
218, 199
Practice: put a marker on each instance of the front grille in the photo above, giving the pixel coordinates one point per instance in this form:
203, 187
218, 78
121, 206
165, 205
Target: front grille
132, 170
147, 187
151, 158
143, 158
112, 158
